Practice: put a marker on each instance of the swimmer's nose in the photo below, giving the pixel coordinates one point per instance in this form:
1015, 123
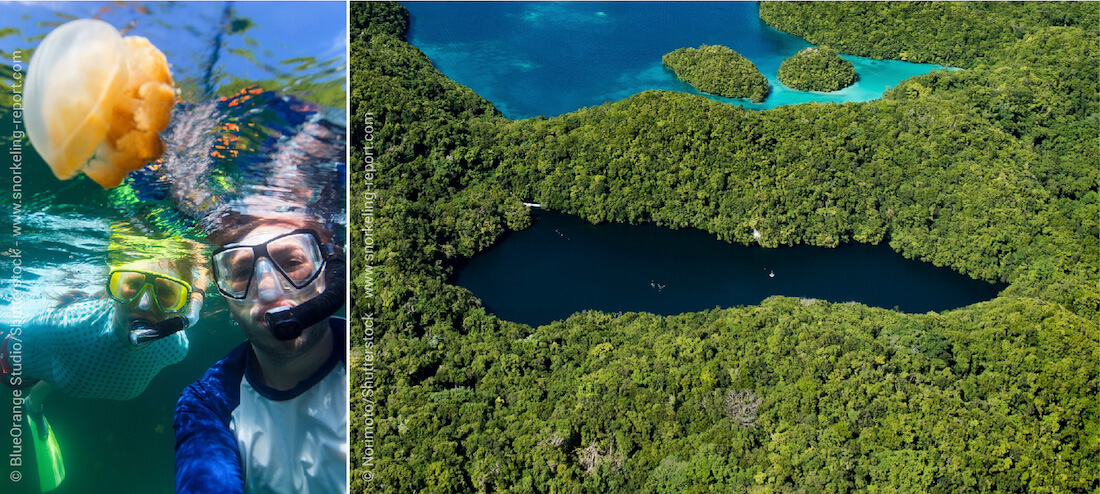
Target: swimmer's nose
268, 285
146, 301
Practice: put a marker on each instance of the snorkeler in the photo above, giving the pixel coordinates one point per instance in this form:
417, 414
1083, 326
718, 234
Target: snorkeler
272, 415
108, 347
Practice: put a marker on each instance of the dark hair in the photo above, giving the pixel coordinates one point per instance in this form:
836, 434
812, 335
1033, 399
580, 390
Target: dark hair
234, 227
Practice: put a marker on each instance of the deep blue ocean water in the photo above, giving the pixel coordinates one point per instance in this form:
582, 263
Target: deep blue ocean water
549, 58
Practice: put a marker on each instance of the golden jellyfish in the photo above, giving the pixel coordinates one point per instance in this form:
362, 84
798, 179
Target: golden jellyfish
96, 101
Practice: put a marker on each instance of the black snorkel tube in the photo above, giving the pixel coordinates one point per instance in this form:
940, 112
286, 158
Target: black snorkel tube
287, 323
144, 331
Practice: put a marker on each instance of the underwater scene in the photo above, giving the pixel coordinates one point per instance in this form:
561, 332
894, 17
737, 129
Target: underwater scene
133, 137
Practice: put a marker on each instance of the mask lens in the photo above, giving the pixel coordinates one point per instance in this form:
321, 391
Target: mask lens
171, 295
126, 285
297, 256
233, 270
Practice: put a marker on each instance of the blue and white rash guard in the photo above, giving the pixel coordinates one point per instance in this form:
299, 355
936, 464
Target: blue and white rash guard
236, 435
75, 349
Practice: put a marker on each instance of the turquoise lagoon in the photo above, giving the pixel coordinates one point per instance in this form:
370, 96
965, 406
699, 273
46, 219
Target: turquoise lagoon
536, 58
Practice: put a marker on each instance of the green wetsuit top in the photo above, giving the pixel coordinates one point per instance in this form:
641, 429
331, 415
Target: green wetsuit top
74, 348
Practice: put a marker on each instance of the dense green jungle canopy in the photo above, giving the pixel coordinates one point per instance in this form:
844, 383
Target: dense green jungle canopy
816, 68
991, 170
719, 70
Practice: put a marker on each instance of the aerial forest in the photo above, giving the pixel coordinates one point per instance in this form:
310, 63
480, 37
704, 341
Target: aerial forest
990, 170
816, 68
718, 70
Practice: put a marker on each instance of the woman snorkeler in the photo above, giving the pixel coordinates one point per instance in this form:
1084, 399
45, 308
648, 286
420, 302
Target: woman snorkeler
107, 347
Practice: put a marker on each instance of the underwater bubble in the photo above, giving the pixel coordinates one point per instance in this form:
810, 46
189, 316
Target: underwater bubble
96, 101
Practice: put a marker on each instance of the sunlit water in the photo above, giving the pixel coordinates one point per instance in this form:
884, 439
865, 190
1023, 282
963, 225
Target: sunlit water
549, 58
261, 114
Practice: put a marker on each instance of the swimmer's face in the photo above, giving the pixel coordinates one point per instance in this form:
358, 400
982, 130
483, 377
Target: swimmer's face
269, 290
145, 306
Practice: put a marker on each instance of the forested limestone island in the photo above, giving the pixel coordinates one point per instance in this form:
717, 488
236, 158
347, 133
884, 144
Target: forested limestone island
816, 68
990, 171
718, 70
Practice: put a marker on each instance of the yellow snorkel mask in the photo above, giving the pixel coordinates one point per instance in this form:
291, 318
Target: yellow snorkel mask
171, 294
138, 279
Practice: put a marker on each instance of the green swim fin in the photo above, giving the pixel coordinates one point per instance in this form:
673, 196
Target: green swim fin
51, 468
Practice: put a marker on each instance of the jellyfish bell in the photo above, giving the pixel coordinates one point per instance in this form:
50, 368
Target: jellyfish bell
95, 101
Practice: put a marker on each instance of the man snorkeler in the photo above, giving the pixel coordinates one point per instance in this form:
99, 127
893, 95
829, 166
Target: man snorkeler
272, 415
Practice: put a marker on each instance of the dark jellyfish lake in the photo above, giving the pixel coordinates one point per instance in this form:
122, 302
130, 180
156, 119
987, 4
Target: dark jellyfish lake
563, 264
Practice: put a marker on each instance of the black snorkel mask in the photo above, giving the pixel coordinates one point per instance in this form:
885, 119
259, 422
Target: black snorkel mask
297, 258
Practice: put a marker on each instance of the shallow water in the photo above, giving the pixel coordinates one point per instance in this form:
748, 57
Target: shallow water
542, 58
232, 146
563, 264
